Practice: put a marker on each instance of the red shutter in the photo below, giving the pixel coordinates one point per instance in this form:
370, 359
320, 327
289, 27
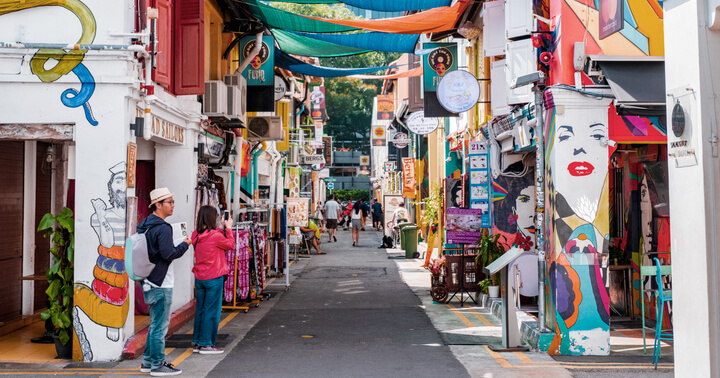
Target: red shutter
189, 61
162, 75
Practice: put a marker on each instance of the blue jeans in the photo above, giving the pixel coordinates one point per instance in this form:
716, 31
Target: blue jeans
208, 295
159, 301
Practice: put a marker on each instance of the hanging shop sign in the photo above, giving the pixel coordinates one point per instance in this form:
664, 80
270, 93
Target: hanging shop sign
317, 99
385, 107
389, 166
313, 159
408, 169
438, 62
327, 149
378, 135
364, 160
421, 125
317, 141
458, 91
280, 87
260, 69
401, 140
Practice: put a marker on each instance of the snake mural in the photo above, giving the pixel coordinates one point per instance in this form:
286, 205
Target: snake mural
67, 61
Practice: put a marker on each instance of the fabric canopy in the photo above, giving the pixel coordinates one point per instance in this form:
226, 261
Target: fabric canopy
430, 21
417, 71
278, 18
296, 44
374, 41
290, 63
381, 5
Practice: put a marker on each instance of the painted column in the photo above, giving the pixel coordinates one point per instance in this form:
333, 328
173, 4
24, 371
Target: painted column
577, 223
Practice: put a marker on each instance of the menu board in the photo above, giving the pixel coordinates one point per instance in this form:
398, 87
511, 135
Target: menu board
464, 226
480, 188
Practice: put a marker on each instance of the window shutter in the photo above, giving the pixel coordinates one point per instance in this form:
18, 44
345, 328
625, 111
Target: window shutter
162, 74
189, 47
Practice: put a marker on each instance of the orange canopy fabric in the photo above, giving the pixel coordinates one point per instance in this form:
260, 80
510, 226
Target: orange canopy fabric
434, 20
418, 71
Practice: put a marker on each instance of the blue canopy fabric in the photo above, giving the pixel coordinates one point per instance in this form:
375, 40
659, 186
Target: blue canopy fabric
290, 63
297, 44
373, 41
381, 5
280, 19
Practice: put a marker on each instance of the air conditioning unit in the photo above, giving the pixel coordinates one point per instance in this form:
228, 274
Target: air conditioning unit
237, 97
215, 98
265, 128
293, 157
234, 102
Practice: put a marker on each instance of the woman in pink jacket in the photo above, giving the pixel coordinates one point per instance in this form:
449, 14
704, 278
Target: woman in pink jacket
210, 244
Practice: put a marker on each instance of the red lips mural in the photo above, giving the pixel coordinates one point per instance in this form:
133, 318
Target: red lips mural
580, 168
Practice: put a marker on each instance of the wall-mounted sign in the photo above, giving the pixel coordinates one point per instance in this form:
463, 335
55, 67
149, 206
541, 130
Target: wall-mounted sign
312, 159
436, 64
167, 131
280, 87
131, 164
364, 160
421, 125
401, 140
378, 135
260, 69
678, 120
681, 148
385, 107
458, 91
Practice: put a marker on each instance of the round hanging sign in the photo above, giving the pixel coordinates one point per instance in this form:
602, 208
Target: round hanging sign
280, 88
458, 91
421, 125
678, 120
401, 140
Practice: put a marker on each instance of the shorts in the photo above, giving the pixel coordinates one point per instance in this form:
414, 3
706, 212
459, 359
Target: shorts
331, 223
356, 224
309, 235
377, 218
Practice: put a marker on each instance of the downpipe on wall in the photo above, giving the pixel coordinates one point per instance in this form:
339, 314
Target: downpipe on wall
540, 200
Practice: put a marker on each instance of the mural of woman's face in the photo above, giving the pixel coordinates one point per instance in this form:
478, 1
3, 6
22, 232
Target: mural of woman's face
581, 165
525, 210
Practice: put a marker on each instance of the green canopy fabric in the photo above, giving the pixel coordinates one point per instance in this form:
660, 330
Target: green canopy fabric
374, 41
278, 18
289, 63
296, 44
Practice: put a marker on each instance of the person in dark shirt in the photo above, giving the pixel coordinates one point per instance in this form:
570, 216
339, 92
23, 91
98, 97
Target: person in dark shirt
157, 288
377, 213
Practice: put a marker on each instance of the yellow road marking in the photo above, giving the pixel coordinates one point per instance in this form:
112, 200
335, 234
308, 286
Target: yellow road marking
227, 319
500, 359
523, 357
462, 317
182, 357
482, 318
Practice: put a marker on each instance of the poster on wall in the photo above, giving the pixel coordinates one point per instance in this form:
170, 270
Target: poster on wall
292, 181
297, 212
464, 226
408, 169
611, 17
390, 204
480, 185
454, 193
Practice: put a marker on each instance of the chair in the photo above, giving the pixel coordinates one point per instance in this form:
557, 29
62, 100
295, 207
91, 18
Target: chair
662, 296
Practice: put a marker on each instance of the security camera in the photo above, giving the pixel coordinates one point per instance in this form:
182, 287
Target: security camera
530, 78
608, 142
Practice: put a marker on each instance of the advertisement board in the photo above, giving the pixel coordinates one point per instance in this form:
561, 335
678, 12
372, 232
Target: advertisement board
464, 226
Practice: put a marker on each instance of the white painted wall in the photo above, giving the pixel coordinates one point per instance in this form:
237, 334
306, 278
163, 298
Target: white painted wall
691, 61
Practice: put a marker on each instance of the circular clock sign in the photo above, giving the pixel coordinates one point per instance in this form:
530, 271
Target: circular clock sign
458, 91
678, 120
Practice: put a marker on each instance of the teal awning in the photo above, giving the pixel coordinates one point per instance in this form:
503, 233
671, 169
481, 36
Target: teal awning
297, 44
381, 5
374, 41
289, 63
280, 19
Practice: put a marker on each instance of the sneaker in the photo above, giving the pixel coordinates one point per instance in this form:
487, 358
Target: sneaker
334, 238
46, 338
165, 370
144, 369
196, 348
211, 350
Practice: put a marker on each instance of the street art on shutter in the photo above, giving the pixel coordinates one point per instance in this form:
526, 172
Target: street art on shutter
514, 209
577, 224
67, 61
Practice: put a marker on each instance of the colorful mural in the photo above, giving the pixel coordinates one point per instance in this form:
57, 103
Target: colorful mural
577, 224
105, 302
514, 209
66, 61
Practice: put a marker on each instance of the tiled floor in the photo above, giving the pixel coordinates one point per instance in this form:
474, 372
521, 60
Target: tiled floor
16, 346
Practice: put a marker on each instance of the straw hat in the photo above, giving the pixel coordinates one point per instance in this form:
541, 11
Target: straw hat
159, 194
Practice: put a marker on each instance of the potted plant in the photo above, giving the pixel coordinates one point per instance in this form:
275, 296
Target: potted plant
60, 277
490, 249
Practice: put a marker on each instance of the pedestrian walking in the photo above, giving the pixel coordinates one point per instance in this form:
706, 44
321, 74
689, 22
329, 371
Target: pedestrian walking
210, 244
319, 214
332, 213
356, 218
158, 287
377, 214
365, 211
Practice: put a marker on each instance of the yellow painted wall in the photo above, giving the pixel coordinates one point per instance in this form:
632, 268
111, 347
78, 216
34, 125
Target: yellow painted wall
283, 110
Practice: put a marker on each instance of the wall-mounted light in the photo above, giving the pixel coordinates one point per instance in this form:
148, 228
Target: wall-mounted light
47, 163
138, 127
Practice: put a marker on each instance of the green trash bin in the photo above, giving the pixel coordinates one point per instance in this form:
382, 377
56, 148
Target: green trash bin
401, 225
410, 236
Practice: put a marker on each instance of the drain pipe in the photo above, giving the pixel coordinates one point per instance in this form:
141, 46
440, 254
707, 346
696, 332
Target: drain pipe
251, 55
540, 200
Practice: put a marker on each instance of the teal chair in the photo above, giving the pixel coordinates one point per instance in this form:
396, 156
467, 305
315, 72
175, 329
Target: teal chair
662, 297
651, 271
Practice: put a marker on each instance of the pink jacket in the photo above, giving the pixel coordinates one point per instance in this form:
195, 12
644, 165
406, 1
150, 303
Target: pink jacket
210, 248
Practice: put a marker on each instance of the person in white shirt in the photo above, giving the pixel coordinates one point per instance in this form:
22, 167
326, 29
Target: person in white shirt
332, 213
356, 215
400, 213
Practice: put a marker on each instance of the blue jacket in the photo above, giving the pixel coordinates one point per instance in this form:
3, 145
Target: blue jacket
160, 246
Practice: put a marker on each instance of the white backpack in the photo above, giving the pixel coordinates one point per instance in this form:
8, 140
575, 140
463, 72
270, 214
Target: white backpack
137, 258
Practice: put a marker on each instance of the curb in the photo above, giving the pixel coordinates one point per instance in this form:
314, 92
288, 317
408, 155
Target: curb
135, 345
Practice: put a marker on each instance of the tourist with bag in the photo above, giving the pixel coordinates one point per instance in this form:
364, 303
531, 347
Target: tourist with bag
210, 243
